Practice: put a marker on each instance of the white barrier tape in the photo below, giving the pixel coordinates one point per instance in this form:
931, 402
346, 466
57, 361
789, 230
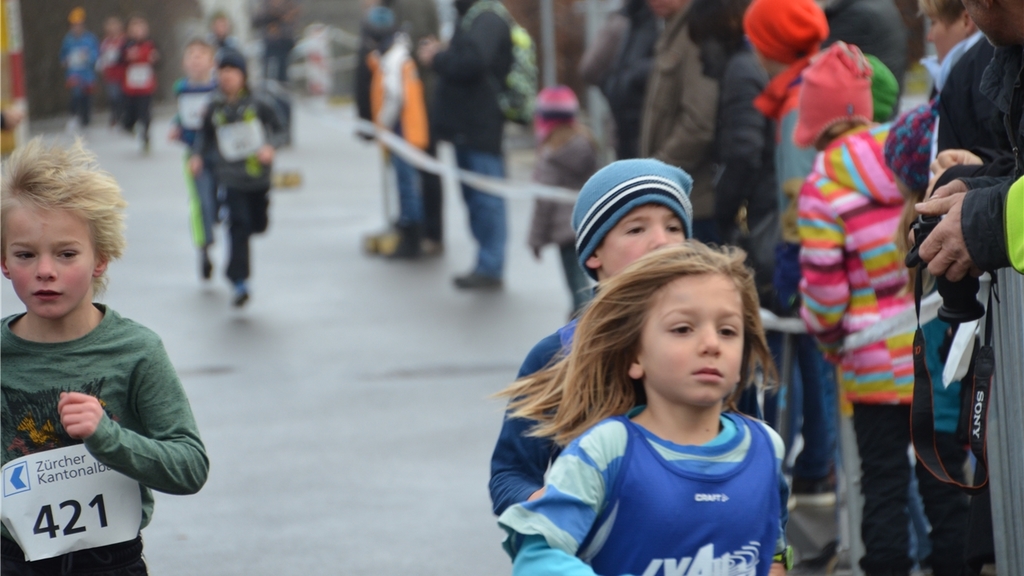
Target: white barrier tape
497, 186
901, 323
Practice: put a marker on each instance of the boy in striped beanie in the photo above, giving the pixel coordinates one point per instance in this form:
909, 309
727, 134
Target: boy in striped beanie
624, 211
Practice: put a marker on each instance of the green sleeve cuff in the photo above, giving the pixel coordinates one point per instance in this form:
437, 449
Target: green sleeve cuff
1014, 215
104, 438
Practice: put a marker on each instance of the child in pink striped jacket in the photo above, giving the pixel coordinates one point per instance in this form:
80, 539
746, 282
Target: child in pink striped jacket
854, 277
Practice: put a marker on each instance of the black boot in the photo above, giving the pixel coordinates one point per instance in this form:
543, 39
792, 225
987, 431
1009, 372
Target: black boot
408, 242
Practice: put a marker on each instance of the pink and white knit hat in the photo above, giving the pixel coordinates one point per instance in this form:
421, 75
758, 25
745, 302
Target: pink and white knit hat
554, 106
836, 87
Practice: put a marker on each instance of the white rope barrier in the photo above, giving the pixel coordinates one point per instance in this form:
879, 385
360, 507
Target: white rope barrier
901, 323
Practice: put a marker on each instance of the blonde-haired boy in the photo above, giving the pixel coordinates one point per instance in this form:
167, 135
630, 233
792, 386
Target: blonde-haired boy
80, 382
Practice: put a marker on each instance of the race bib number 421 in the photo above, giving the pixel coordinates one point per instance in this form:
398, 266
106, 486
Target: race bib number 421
63, 500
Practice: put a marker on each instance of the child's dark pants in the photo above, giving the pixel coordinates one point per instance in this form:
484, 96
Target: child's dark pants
124, 559
137, 109
248, 216
883, 437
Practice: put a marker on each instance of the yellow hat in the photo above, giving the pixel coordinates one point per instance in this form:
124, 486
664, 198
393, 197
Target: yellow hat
77, 15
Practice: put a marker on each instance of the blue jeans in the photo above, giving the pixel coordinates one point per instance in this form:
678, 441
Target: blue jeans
410, 204
814, 409
486, 211
81, 103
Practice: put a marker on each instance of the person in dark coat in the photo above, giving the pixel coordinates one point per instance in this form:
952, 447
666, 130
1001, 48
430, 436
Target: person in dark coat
746, 204
874, 26
467, 114
625, 81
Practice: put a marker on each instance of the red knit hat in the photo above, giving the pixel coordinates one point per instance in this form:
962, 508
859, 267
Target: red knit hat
785, 30
836, 88
554, 106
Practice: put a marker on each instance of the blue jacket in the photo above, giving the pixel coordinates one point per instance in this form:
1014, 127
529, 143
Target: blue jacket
78, 54
520, 461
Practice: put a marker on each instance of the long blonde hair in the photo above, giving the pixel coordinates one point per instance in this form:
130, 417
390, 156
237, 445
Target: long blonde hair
592, 383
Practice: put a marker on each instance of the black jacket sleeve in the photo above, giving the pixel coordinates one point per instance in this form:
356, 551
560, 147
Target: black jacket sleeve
276, 135
982, 223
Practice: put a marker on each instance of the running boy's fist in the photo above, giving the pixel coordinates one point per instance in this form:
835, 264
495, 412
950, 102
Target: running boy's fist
265, 154
80, 414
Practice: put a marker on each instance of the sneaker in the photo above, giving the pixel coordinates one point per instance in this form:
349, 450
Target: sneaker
241, 294
475, 281
817, 493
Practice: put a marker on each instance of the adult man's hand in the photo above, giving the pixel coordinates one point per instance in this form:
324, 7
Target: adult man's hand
945, 250
947, 159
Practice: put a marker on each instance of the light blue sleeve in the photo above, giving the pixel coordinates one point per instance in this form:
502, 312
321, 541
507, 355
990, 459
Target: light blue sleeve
780, 454
575, 492
536, 558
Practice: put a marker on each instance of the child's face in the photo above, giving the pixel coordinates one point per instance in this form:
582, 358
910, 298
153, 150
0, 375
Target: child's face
231, 80
198, 62
645, 229
50, 260
138, 29
691, 346
221, 27
113, 27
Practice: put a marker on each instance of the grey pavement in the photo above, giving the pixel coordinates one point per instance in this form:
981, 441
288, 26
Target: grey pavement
346, 409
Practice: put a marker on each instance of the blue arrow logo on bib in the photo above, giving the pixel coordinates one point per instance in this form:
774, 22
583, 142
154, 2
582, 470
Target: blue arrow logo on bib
16, 479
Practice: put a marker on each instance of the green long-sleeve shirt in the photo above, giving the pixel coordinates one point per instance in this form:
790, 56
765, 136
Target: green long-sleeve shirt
148, 432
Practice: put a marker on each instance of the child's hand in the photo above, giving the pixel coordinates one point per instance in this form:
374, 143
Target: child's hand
777, 569
195, 164
265, 154
80, 414
174, 134
537, 494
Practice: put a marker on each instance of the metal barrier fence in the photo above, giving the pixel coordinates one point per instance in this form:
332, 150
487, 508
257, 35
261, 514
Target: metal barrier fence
1006, 412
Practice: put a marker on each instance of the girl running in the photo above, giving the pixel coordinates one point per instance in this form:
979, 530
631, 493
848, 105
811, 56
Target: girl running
660, 475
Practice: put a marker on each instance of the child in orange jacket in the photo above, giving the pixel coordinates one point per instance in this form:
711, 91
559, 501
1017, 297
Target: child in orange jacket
397, 104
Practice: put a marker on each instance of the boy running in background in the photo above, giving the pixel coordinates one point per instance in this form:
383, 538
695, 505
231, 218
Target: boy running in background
193, 93
78, 54
239, 131
81, 383
627, 209
139, 56
111, 66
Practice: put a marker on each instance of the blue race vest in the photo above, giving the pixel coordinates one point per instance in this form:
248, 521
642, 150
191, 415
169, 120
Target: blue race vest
663, 521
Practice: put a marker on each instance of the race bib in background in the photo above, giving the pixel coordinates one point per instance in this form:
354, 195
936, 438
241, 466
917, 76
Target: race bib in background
191, 108
139, 76
63, 500
239, 140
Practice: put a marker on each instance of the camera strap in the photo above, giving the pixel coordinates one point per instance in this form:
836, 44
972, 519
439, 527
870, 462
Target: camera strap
922, 412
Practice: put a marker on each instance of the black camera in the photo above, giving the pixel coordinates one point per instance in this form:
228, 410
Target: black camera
959, 299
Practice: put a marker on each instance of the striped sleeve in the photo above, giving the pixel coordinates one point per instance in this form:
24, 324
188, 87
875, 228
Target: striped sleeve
780, 456
1014, 215
825, 288
574, 495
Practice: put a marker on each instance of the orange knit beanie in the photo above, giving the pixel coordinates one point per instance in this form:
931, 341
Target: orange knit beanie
785, 30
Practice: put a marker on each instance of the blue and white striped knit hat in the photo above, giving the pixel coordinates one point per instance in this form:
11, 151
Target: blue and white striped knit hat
617, 189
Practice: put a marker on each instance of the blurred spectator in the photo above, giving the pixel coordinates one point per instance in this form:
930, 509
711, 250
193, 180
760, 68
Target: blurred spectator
566, 157
276, 21
466, 112
221, 37
418, 19
746, 203
908, 154
111, 66
78, 54
952, 32
678, 124
619, 63
874, 26
397, 103
785, 35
